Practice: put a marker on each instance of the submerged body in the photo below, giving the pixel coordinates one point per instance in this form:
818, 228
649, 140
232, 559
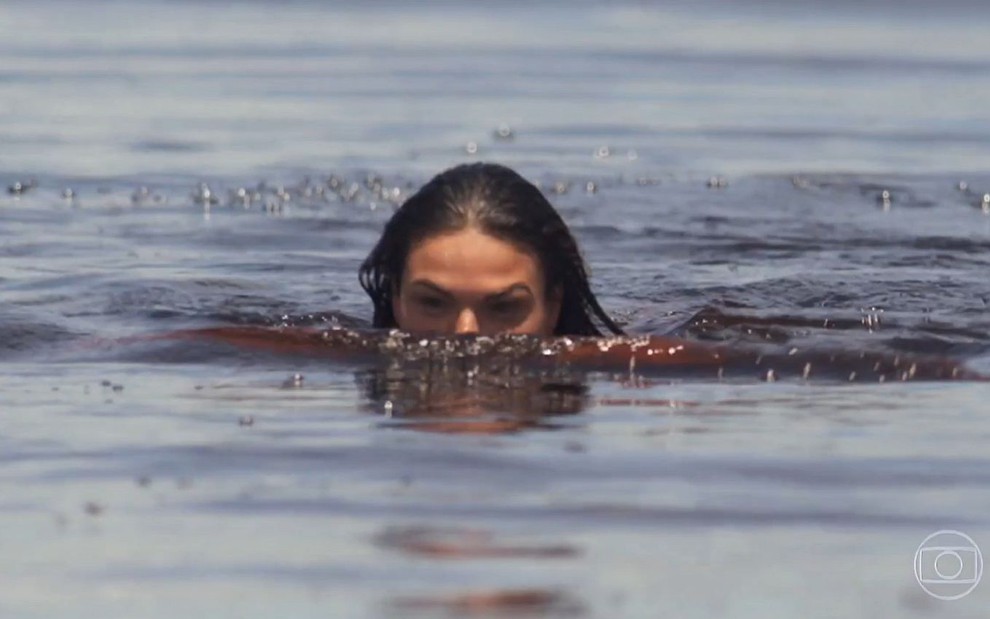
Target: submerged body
630, 356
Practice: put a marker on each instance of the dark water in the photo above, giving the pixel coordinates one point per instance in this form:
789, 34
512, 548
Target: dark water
801, 182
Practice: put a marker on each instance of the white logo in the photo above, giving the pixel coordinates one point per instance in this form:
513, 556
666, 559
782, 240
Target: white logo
948, 565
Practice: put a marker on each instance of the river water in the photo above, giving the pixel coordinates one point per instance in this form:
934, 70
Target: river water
782, 176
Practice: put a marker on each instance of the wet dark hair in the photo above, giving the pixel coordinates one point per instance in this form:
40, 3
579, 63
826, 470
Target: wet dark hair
499, 202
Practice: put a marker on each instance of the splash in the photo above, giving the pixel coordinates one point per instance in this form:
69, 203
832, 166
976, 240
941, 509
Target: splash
647, 355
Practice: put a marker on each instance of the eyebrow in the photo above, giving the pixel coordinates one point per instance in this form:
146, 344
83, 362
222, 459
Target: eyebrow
518, 286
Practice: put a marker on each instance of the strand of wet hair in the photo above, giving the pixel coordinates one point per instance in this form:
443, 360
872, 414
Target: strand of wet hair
590, 306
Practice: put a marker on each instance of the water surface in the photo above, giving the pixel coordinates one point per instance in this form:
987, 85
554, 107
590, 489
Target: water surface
759, 175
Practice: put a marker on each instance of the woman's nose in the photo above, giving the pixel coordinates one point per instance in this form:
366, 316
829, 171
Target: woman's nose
467, 322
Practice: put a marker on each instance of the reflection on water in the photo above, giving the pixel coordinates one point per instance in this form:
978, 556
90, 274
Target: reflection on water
452, 544
460, 543
472, 395
493, 603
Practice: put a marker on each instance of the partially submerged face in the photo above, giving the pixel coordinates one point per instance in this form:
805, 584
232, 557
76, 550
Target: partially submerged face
468, 282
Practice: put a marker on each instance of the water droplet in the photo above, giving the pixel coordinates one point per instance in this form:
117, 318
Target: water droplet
885, 199
504, 132
19, 188
140, 195
204, 196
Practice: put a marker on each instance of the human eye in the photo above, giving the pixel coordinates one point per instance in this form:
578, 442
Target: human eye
505, 307
431, 302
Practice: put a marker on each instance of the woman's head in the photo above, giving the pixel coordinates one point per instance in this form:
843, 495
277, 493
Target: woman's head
479, 249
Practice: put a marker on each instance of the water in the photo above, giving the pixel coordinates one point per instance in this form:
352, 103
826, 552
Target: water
724, 166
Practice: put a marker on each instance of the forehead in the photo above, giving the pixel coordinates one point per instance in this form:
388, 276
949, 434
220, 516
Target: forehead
471, 260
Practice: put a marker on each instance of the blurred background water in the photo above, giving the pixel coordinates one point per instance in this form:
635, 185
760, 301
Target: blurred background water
790, 174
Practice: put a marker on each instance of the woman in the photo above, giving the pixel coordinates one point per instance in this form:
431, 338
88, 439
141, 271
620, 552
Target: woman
480, 250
